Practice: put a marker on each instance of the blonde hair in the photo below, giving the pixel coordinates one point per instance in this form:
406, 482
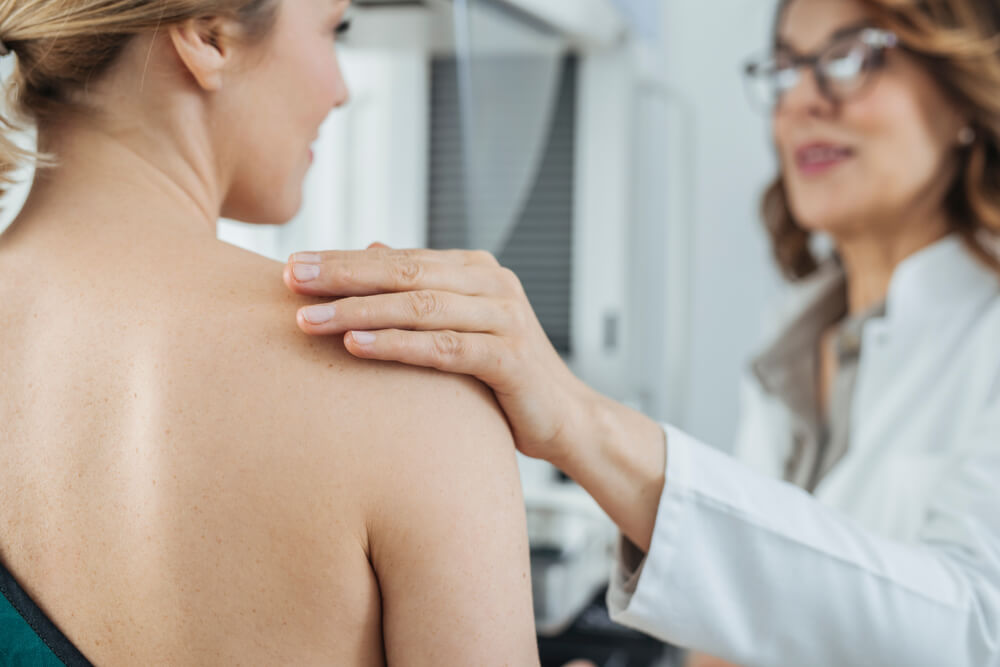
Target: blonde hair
62, 45
958, 43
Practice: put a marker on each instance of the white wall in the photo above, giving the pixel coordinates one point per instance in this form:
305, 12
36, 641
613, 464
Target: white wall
731, 273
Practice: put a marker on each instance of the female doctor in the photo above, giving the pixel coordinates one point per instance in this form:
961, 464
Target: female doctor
861, 524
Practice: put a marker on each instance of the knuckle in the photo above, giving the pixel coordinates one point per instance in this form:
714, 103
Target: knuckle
405, 271
447, 345
516, 346
483, 257
512, 312
359, 308
343, 274
510, 281
423, 304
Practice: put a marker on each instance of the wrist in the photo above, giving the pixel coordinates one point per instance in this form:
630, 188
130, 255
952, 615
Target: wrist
583, 428
620, 460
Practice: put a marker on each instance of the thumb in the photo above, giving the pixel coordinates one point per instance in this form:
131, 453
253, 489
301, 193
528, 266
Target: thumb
375, 245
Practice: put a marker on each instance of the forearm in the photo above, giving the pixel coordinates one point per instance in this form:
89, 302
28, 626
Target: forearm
618, 456
768, 564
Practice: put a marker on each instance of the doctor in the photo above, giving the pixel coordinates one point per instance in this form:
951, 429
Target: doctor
861, 523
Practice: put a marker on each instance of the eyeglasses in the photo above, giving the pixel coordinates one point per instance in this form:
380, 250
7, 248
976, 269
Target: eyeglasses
842, 70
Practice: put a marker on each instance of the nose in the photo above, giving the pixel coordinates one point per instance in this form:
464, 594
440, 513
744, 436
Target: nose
341, 93
805, 98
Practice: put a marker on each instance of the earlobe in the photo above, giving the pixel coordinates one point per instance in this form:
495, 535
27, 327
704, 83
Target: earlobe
200, 47
967, 136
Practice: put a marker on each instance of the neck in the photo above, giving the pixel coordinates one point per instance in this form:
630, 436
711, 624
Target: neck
122, 183
871, 259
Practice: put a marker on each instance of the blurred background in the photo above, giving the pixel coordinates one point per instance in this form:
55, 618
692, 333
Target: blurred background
604, 150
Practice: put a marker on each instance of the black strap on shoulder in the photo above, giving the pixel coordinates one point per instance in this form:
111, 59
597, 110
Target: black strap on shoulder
39, 622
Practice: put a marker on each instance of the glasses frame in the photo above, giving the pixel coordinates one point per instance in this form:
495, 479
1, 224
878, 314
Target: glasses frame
878, 40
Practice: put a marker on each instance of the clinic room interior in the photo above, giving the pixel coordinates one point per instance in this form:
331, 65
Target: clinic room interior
565, 333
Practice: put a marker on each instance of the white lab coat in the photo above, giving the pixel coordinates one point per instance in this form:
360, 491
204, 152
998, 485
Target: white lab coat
896, 559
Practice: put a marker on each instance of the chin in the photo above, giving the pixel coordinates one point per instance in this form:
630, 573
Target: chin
284, 210
829, 222
273, 212
280, 216
824, 214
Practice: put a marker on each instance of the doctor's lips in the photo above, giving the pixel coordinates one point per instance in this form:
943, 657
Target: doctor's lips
818, 157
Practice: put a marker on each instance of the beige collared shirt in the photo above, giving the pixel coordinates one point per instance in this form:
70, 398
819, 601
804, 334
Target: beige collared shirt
789, 370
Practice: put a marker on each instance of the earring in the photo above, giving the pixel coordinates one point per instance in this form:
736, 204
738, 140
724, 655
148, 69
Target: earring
966, 136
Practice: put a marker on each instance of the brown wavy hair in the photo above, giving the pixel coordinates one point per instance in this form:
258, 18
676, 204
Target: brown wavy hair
958, 42
62, 45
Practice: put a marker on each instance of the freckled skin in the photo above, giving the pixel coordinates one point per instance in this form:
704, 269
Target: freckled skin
226, 495
185, 477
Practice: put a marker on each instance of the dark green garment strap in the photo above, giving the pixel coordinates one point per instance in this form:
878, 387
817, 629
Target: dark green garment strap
27, 637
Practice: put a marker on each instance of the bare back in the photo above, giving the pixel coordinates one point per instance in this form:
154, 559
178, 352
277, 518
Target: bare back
186, 479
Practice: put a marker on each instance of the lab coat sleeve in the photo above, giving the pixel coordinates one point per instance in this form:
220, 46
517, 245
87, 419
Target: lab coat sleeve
757, 571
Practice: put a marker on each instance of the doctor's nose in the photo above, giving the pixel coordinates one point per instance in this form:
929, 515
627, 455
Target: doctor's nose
805, 98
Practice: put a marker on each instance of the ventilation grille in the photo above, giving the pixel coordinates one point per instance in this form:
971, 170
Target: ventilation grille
540, 249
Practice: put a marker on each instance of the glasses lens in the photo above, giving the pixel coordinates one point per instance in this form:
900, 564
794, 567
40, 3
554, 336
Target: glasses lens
784, 79
767, 81
846, 68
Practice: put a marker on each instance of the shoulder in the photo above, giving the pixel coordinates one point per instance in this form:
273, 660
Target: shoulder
381, 426
257, 324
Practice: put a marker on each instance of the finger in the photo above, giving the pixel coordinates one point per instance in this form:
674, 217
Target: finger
463, 353
382, 252
422, 310
364, 276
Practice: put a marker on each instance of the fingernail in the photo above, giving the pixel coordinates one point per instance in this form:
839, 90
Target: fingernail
305, 272
307, 258
363, 337
318, 314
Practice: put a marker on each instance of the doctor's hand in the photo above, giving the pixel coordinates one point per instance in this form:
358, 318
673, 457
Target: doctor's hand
456, 311
461, 312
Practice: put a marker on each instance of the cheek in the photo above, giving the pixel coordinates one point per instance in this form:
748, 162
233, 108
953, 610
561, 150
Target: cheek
286, 108
271, 163
319, 82
901, 150
904, 148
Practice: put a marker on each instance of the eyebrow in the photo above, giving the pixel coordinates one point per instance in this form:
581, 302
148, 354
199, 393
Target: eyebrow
781, 45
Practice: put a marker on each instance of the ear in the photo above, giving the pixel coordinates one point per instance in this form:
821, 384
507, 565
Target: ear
204, 48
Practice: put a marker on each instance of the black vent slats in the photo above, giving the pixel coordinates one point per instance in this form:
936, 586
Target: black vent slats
540, 249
